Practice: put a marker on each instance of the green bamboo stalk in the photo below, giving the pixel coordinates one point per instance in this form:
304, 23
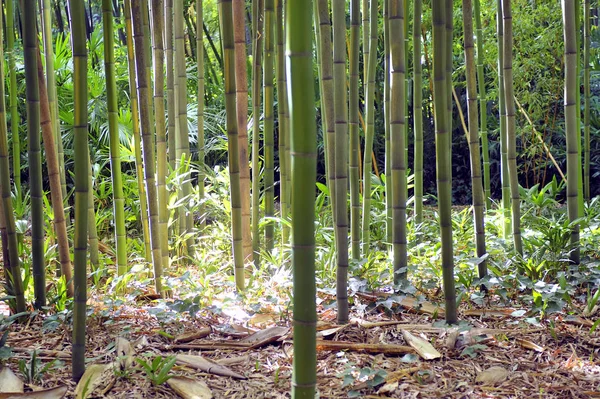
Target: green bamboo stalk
366, 34
226, 25
407, 82
325, 59
92, 228
370, 132
81, 151
353, 128
304, 172
145, 113
52, 162
241, 76
474, 148
269, 15
161, 134
51, 84
113, 128
340, 111
15, 120
443, 159
170, 66
353, 125
418, 111
137, 141
580, 199
282, 112
183, 142
586, 87
257, 52
388, 148
200, 111
571, 110
449, 81
482, 105
502, 116
12, 262
511, 139
397, 138
30, 48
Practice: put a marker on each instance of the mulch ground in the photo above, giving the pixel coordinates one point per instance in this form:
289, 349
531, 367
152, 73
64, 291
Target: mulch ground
529, 361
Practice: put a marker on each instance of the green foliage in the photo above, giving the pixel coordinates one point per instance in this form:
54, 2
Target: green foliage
34, 370
157, 370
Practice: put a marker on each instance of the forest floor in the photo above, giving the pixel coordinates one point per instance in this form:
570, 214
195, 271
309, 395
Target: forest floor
492, 353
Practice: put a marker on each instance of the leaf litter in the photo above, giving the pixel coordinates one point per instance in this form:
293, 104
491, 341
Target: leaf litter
492, 353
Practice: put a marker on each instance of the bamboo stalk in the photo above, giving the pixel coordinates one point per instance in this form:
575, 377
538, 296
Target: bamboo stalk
269, 141
353, 172
257, 52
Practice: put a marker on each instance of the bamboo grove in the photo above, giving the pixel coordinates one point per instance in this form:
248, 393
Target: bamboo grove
383, 70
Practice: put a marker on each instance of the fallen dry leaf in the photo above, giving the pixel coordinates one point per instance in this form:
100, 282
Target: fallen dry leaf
208, 366
188, 337
91, 379
529, 345
9, 382
52, 393
422, 347
493, 375
188, 388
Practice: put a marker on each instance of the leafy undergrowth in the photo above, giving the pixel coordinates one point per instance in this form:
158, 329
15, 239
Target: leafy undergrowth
533, 333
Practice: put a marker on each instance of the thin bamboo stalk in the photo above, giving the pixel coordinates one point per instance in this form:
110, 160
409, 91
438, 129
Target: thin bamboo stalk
340, 111
30, 48
200, 111
137, 141
257, 52
418, 111
241, 77
15, 120
269, 144
511, 140
388, 148
586, 95
145, 113
571, 111
60, 225
11, 262
113, 128
474, 148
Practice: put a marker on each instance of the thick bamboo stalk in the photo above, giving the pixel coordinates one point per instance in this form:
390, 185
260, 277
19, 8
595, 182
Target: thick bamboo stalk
397, 139
370, 131
182, 142
226, 25
11, 262
304, 172
146, 120
388, 148
137, 141
93, 247
282, 114
353, 172
474, 148
115, 145
52, 163
353, 125
511, 139
241, 78
571, 111
340, 111
482, 105
443, 159
257, 52
418, 111
80, 130
30, 49
161, 133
